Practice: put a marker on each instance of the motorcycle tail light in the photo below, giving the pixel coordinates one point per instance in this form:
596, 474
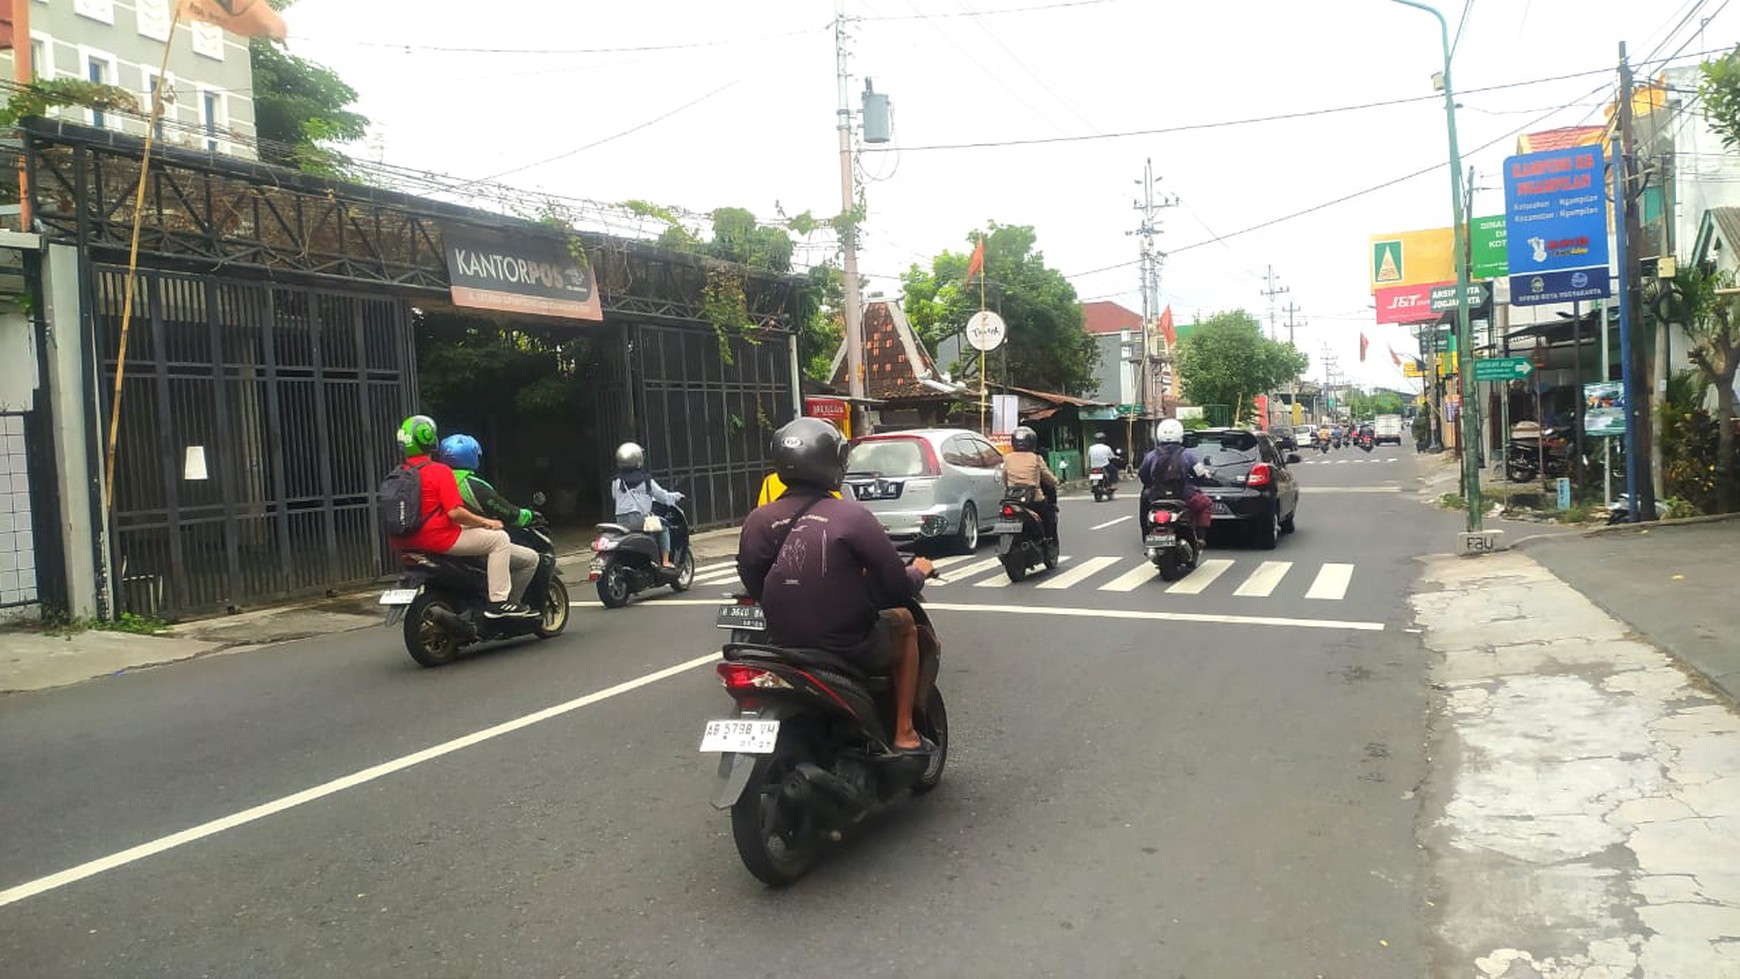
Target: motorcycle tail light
1008, 511
1261, 475
738, 676
1162, 516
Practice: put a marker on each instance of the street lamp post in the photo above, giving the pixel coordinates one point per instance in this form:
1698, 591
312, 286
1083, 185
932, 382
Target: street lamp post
1464, 339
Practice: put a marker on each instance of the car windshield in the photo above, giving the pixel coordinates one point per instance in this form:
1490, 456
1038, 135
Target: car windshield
1222, 449
886, 457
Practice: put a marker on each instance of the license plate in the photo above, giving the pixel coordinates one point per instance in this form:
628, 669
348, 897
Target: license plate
399, 596
750, 617
1220, 507
743, 737
1007, 527
1160, 540
1096, 477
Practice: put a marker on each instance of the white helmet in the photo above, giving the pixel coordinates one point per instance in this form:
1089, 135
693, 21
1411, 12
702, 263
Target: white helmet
1169, 432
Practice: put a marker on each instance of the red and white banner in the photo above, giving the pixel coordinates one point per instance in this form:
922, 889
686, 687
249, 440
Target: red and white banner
1406, 304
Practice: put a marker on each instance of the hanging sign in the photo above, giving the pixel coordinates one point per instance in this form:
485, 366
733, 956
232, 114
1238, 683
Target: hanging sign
521, 273
985, 331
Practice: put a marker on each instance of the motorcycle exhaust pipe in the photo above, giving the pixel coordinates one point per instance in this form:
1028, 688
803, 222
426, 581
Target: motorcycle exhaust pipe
446, 619
819, 790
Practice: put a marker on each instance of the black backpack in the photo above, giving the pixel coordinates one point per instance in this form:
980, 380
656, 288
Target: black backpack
1171, 477
400, 501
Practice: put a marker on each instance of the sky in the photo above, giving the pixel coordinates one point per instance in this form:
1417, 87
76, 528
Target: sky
705, 104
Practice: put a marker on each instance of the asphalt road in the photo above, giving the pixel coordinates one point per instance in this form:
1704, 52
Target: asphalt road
1215, 779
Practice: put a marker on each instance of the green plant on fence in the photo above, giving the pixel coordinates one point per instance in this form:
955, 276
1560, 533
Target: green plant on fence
40, 96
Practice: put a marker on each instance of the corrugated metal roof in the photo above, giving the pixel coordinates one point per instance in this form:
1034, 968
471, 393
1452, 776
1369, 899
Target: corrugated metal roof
1727, 220
1056, 399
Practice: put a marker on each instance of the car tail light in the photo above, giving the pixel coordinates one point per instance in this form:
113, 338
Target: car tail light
1261, 475
1162, 516
745, 600
738, 676
1008, 511
931, 466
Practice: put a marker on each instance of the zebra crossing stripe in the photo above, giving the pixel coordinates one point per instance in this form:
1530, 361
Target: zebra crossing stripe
1332, 581
977, 567
1196, 582
1264, 580
1132, 580
1079, 573
1002, 580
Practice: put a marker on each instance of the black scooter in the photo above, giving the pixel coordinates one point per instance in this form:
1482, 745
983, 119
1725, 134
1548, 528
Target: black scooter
626, 562
807, 755
441, 599
1171, 538
1020, 530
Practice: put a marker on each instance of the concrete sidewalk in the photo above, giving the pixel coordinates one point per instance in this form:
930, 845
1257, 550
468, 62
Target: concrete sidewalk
34, 660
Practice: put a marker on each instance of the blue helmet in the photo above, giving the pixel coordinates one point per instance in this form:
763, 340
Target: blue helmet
461, 452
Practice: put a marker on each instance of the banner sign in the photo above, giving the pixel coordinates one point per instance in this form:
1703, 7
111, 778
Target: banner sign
1411, 258
1443, 298
519, 274
1556, 221
1604, 409
1407, 304
1486, 247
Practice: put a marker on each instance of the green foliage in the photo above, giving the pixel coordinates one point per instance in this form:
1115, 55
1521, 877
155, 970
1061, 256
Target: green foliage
1720, 91
470, 371
301, 110
1452, 501
1678, 509
821, 319
1227, 360
56, 621
39, 96
1048, 349
1363, 405
1712, 323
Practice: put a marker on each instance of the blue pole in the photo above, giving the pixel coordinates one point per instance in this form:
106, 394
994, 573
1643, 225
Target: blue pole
1621, 205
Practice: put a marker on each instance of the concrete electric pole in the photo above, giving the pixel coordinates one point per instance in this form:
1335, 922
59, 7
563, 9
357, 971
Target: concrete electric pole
1152, 259
1270, 291
849, 233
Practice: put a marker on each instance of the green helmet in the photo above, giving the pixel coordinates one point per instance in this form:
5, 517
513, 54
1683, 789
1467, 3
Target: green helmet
417, 435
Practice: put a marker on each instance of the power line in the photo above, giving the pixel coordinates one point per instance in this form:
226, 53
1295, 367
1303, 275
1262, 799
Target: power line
988, 13
1024, 66
629, 49
930, 21
1467, 5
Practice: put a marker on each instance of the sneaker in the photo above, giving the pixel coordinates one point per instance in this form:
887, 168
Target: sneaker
508, 610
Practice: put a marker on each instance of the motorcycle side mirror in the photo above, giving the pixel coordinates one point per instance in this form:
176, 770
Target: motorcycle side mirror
539, 499
1292, 457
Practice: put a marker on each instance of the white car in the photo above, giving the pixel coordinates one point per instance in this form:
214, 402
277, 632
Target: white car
928, 483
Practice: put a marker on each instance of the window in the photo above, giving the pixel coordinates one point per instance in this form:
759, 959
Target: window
41, 56
213, 118
989, 457
101, 69
208, 40
959, 451
153, 18
887, 457
152, 82
103, 10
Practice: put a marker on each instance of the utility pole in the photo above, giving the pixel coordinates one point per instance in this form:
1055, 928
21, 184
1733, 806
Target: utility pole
1293, 384
1271, 291
1640, 491
1150, 209
849, 238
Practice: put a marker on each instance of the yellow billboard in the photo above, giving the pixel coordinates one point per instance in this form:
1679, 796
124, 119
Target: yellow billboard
1412, 258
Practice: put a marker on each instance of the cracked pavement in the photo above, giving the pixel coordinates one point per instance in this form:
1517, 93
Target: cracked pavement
1583, 817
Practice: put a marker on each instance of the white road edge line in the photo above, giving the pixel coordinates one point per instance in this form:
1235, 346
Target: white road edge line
1102, 613
655, 600
1110, 523
30, 889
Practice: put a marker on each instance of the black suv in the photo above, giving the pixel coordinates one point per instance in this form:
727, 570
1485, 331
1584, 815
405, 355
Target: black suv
1248, 480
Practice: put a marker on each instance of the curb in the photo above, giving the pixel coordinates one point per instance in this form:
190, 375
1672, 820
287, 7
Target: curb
1624, 527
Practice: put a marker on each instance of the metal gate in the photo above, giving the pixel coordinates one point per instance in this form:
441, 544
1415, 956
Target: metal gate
256, 422
705, 421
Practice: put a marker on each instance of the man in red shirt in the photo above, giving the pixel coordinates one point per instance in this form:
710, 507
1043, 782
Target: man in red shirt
448, 527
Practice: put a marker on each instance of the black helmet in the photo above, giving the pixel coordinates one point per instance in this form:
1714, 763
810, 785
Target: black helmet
1024, 440
810, 452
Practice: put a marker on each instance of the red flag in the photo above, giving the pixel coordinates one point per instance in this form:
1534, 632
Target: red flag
248, 18
1167, 330
1363, 343
976, 264
1394, 357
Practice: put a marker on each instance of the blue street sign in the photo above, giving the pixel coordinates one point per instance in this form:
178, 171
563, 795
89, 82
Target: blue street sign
1560, 287
1556, 225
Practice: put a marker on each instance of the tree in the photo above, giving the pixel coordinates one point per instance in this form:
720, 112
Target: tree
1720, 90
1712, 322
301, 109
1364, 405
1048, 350
1228, 361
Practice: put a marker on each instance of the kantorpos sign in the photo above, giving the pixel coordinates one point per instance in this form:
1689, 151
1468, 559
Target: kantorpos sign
527, 274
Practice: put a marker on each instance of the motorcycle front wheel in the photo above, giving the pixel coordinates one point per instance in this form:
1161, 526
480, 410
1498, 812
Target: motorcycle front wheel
556, 610
777, 840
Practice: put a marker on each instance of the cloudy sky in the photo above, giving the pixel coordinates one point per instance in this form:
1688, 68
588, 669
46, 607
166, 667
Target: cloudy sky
704, 104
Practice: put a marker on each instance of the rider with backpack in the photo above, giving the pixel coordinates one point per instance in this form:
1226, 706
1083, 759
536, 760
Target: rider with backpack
421, 510
1166, 474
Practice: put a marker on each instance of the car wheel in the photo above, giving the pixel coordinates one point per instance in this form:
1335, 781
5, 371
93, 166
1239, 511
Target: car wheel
967, 540
1269, 534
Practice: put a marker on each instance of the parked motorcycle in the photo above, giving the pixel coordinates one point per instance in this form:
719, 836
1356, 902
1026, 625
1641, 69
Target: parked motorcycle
1171, 538
441, 598
1021, 541
807, 756
626, 562
1522, 456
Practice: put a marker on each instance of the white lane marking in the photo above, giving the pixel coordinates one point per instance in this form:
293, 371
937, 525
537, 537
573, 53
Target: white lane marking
977, 567
732, 564
946, 562
1332, 581
1350, 489
1079, 573
1132, 580
1262, 582
1196, 582
714, 577
1341, 462
656, 600
30, 889
1104, 613
1002, 580
1112, 523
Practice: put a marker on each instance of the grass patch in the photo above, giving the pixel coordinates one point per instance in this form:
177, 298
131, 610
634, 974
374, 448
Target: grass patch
56, 622
1452, 501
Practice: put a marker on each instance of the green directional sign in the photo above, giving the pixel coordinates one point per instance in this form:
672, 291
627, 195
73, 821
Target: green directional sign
1503, 369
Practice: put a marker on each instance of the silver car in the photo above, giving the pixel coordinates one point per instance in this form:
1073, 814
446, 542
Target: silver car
929, 483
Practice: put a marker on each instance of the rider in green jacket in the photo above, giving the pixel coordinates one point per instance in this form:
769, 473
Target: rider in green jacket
462, 454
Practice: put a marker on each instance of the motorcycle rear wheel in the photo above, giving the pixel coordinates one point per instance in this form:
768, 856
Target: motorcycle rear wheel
1014, 566
425, 639
777, 841
1169, 566
613, 588
933, 723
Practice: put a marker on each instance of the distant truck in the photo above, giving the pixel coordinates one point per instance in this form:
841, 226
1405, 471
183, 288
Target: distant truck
1388, 428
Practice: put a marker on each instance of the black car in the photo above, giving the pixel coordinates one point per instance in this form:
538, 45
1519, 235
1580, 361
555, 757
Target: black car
1248, 480
1286, 439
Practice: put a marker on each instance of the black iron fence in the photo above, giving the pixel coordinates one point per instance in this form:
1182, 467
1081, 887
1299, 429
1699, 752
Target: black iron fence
256, 421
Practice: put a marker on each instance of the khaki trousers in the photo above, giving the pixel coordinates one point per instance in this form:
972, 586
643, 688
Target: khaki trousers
508, 565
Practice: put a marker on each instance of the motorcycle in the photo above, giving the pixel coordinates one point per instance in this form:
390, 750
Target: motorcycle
441, 598
1323, 446
1021, 541
1103, 480
808, 754
626, 562
1366, 442
1172, 539
1522, 457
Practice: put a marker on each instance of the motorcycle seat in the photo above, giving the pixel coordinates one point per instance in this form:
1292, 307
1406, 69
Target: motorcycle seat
819, 659
616, 528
